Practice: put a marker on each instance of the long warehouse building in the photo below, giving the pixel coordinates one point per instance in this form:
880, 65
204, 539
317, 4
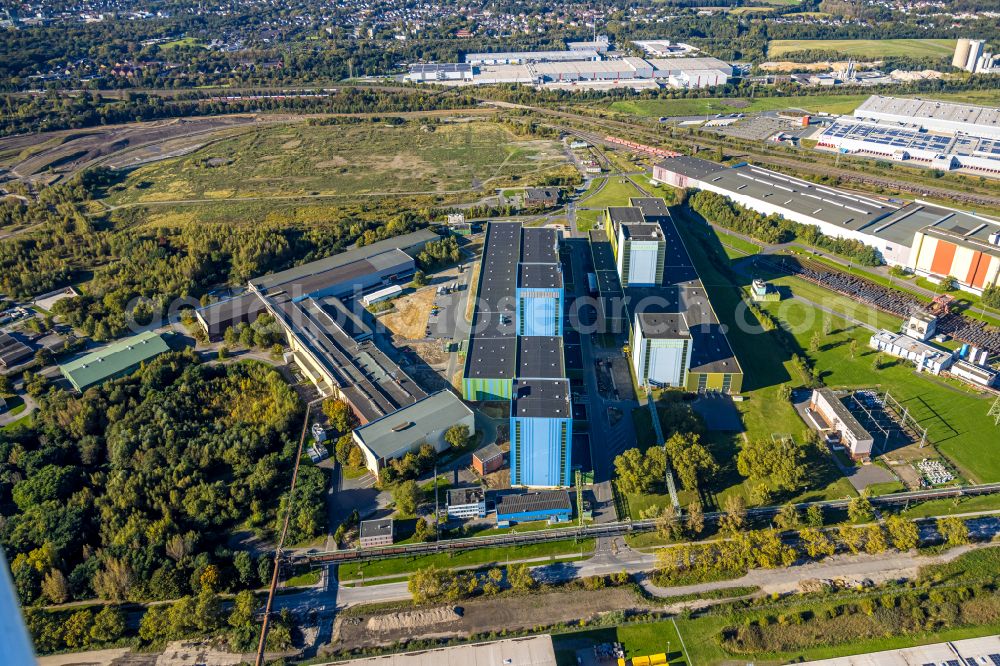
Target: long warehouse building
330, 343
675, 336
946, 136
926, 238
515, 350
932, 115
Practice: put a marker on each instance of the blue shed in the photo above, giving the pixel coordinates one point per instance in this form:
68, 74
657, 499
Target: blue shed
523, 507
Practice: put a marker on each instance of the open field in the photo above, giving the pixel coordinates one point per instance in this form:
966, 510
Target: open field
867, 48
348, 160
481, 556
616, 192
712, 105
837, 104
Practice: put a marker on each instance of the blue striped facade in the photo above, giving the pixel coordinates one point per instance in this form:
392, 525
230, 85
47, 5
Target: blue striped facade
539, 311
541, 451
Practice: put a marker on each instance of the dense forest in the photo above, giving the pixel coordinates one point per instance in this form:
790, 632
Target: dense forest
132, 490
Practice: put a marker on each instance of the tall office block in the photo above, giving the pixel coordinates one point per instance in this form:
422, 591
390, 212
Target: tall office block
642, 249
541, 433
661, 349
539, 299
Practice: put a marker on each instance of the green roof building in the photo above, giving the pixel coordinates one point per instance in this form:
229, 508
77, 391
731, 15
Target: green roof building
115, 360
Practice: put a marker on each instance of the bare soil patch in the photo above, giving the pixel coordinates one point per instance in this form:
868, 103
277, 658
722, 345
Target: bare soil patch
409, 320
484, 615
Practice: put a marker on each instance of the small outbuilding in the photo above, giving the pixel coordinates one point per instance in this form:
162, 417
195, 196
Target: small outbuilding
375, 533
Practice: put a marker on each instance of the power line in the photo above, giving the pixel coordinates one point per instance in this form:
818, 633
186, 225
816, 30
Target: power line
284, 532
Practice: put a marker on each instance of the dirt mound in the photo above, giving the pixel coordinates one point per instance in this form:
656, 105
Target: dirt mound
417, 619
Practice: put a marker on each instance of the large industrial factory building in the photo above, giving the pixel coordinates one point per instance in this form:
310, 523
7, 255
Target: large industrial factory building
926, 238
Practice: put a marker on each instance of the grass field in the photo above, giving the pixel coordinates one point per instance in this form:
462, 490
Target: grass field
866, 48
955, 416
350, 160
616, 192
481, 556
837, 104
638, 640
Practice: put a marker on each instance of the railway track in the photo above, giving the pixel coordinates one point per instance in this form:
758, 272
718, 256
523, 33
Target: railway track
618, 528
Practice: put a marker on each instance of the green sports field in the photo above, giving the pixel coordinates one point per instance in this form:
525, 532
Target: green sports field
866, 48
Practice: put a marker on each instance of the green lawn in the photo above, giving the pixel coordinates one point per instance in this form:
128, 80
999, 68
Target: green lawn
304, 579
480, 556
616, 192
836, 104
866, 48
740, 246
700, 638
955, 416
951, 506
637, 640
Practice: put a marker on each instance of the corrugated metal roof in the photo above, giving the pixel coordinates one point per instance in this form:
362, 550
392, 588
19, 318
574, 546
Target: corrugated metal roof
384, 437
114, 359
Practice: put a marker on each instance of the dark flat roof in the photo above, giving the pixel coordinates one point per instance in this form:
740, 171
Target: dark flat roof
539, 245
538, 500
541, 192
374, 528
300, 273
539, 276
541, 398
600, 248
642, 232
540, 356
626, 215
651, 207
692, 167
683, 292
226, 311
664, 326
491, 358
460, 496
498, 274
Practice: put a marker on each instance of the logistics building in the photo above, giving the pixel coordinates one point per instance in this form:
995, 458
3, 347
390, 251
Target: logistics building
521, 283
936, 135
424, 422
116, 360
557, 68
675, 336
932, 115
523, 57
523, 507
926, 238
661, 349
329, 339
641, 252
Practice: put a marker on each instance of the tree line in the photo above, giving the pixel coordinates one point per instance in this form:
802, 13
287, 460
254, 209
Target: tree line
774, 229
